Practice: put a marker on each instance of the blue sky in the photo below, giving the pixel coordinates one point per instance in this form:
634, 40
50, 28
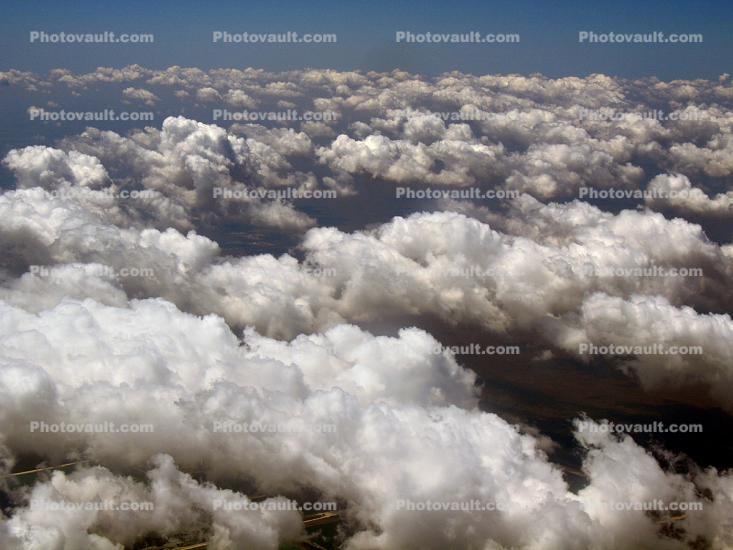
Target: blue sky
366, 32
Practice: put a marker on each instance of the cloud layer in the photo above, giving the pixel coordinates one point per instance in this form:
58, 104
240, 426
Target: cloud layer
115, 307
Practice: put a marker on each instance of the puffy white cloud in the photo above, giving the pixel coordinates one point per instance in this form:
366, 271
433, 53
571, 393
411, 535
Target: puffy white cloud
406, 431
237, 98
559, 169
676, 192
40, 166
622, 475
208, 95
715, 159
371, 459
443, 162
168, 177
537, 275
140, 94
678, 346
113, 309
543, 136
60, 513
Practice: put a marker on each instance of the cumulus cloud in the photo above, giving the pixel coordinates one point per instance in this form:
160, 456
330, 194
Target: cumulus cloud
46, 167
166, 177
139, 94
443, 265
237, 98
547, 137
644, 321
714, 159
208, 95
676, 192
445, 162
406, 430
114, 307
57, 514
